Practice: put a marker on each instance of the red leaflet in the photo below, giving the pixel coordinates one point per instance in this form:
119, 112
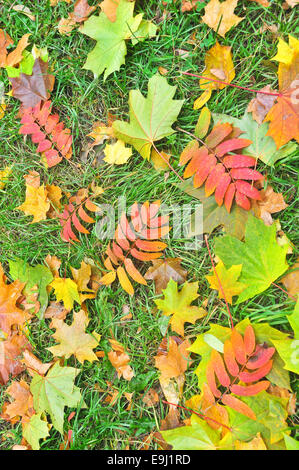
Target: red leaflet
73, 213
55, 141
223, 174
135, 237
231, 370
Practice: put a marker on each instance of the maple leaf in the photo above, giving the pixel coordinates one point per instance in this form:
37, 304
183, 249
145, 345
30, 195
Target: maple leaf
36, 200
177, 305
81, 12
291, 280
229, 281
11, 350
176, 360
163, 270
32, 89
66, 290
120, 360
262, 259
110, 50
262, 145
218, 66
270, 203
82, 278
117, 153
220, 16
52, 392
23, 401
35, 429
14, 57
284, 115
151, 118
34, 365
73, 339
109, 7
39, 276
10, 313
198, 436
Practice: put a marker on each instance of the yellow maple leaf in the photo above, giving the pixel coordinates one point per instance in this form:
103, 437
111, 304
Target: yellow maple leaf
229, 281
73, 339
81, 277
66, 290
36, 203
219, 66
117, 154
220, 16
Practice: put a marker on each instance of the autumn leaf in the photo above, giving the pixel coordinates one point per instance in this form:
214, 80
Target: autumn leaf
73, 340
35, 429
80, 14
82, 277
284, 115
66, 289
4, 175
228, 279
262, 259
36, 199
160, 159
270, 203
188, 5
117, 153
220, 16
109, 7
32, 89
14, 57
176, 361
162, 270
261, 104
151, 118
177, 305
110, 50
52, 392
22, 404
11, 350
218, 66
291, 280
120, 360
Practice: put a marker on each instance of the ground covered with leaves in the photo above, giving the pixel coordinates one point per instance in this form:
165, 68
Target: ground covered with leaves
141, 341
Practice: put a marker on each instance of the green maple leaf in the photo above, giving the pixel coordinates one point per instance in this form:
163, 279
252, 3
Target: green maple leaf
35, 430
52, 392
262, 258
263, 146
198, 436
110, 50
151, 118
177, 304
39, 276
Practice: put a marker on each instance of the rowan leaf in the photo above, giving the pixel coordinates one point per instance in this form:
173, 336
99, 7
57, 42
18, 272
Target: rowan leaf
73, 340
262, 259
151, 118
220, 16
66, 289
228, 279
52, 392
177, 305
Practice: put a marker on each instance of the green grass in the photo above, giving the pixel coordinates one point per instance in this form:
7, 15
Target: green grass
82, 100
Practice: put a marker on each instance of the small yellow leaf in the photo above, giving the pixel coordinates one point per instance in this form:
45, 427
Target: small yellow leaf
117, 154
4, 174
229, 281
66, 290
203, 99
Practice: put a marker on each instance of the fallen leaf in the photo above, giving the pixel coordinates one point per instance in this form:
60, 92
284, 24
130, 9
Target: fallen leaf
14, 57
218, 66
159, 160
188, 5
256, 443
11, 350
117, 153
34, 365
261, 105
163, 270
66, 290
270, 203
176, 361
31, 89
291, 280
220, 16
73, 340
56, 310
151, 398
22, 404
120, 360
25, 10
228, 279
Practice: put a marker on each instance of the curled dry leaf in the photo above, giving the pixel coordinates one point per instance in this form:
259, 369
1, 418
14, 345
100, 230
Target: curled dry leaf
120, 360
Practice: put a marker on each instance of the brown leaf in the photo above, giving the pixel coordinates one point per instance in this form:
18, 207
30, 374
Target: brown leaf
188, 5
11, 351
270, 203
176, 361
56, 310
291, 280
284, 393
165, 269
31, 89
53, 264
151, 398
261, 105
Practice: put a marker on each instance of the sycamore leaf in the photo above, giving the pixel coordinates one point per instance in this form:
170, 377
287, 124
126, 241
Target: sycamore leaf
66, 290
220, 16
34, 430
52, 392
31, 89
110, 50
39, 276
162, 270
262, 259
73, 339
151, 118
117, 154
177, 305
229, 281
